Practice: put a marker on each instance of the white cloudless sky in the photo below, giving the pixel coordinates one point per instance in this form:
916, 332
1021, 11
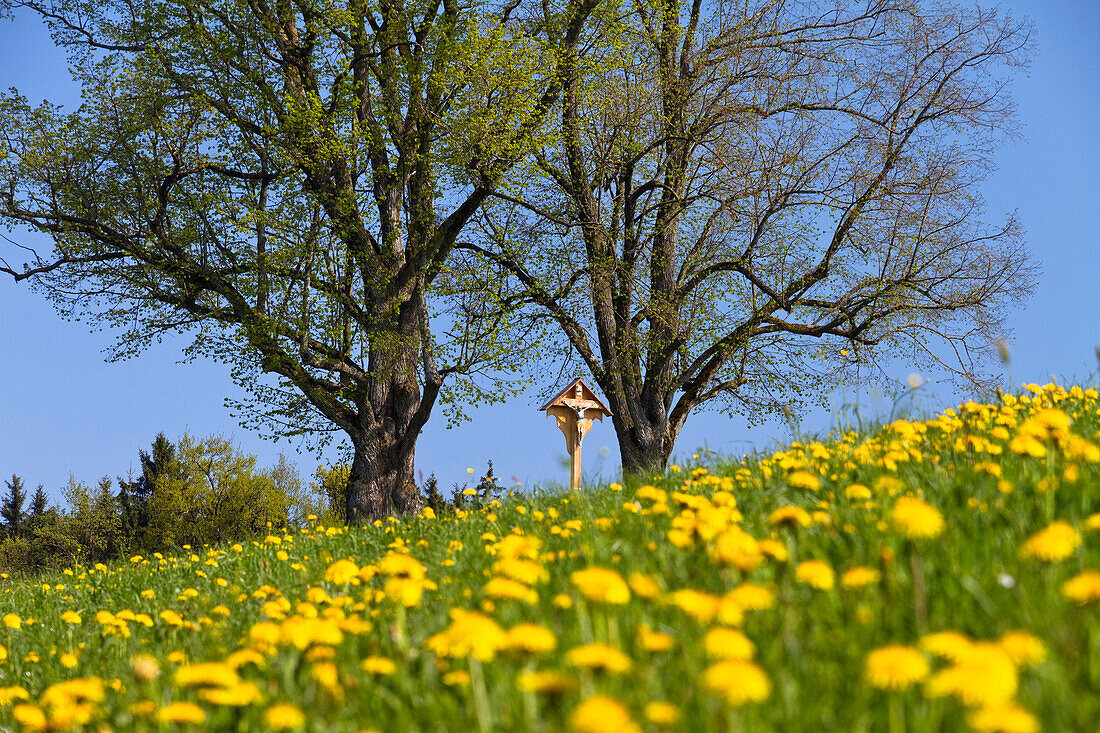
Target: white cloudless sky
64, 410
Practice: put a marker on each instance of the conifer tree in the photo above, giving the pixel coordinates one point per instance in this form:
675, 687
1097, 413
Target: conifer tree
40, 503
11, 510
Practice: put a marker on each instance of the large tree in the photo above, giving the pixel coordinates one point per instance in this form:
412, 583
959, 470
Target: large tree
285, 180
749, 201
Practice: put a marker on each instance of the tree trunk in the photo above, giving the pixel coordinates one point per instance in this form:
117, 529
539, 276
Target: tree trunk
381, 482
644, 449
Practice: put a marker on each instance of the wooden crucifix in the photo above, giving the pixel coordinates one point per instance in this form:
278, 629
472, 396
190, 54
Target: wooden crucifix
574, 408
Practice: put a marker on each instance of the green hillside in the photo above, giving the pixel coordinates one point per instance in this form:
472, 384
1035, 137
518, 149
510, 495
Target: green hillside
928, 577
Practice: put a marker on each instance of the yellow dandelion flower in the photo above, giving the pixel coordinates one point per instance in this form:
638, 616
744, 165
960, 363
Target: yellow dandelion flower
859, 576
71, 617
815, 574
752, 597
986, 676
500, 587
804, 480
774, 549
948, 645
546, 683
602, 585
302, 632
858, 492
12, 620
700, 606
1003, 718
530, 638
917, 519
470, 634
457, 678
399, 565
563, 601
1092, 523
599, 656
662, 713
895, 667
342, 572
644, 586
241, 657
654, 641
381, 666
206, 674
600, 714
284, 716
30, 717
171, 618
790, 516
1083, 588
181, 712
245, 693
520, 569
1024, 649
143, 708
722, 643
1055, 543
738, 681
8, 695
738, 548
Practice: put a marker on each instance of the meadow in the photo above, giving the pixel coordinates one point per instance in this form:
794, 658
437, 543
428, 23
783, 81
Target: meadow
927, 576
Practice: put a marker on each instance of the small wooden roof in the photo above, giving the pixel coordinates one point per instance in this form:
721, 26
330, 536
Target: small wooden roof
570, 389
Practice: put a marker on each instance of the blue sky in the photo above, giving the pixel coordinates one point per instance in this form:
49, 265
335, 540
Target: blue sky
64, 410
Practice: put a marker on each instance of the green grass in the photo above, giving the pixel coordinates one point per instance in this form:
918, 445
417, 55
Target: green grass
812, 644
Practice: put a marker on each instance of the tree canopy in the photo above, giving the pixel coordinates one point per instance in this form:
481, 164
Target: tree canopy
285, 181
745, 202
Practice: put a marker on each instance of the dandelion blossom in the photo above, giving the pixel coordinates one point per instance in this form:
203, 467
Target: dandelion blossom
986, 676
662, 713
284, 716
342, 572
815, 574
917, 519
791, 516
599, 656
1024, 649
859, 576
507, 588
738, 681
530, 638
380, 666
1004, 718
895, 667
30, 717
1053, 544
602, 585
948, 645
654, 641
181, 712
1083, 588
700, 606
470, 634
722, 643
600, 714
546, 683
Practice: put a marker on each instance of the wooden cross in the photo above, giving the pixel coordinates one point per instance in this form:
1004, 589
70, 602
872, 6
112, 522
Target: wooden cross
574, 409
